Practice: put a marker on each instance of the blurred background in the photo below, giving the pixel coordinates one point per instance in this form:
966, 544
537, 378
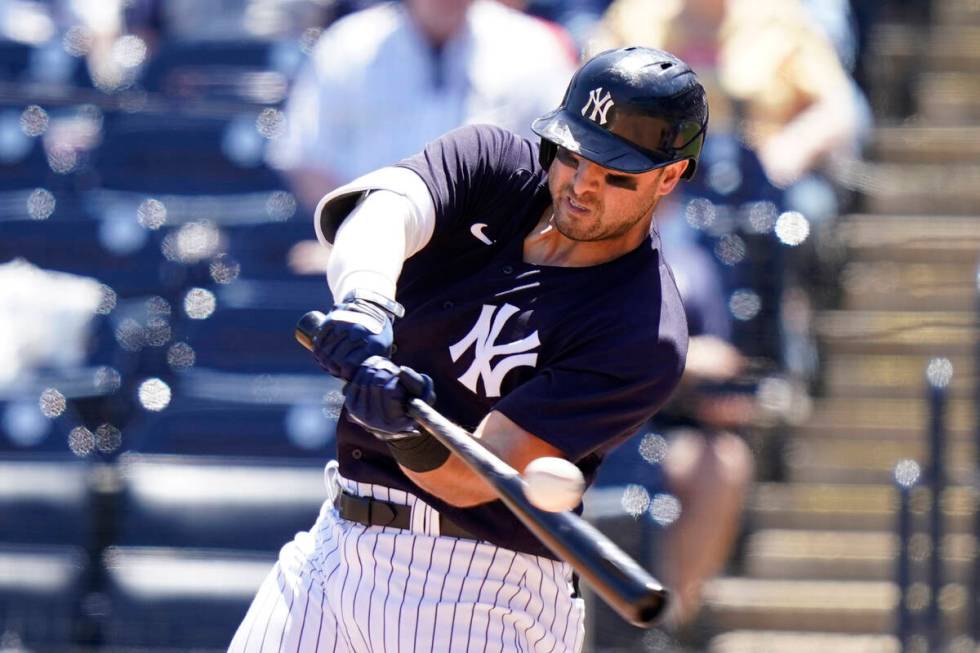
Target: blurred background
813, 485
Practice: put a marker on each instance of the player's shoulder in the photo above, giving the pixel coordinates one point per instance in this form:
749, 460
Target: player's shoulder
525, 36
356, 37
495, 147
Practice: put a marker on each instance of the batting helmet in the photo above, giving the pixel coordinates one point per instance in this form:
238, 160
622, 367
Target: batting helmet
632, 110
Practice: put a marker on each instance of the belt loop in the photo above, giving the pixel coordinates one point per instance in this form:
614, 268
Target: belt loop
380, 513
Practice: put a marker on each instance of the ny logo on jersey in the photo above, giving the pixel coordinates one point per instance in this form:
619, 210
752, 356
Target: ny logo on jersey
600, 104
483, 338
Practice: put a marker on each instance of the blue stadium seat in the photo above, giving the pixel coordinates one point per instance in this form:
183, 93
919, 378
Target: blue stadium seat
40, 591
183, 154
196, 502
248, 428
179, 600
44, 500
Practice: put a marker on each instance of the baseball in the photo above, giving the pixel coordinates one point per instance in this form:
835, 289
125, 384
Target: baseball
553, 484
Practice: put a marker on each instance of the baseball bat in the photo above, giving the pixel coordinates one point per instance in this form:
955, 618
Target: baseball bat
618, 579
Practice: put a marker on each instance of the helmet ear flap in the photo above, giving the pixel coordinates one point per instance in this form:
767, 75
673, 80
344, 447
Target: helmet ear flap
547, 153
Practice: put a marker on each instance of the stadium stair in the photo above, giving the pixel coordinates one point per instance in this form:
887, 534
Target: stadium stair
818, 568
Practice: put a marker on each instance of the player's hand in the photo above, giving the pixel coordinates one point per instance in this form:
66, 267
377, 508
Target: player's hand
355, 329
378, 397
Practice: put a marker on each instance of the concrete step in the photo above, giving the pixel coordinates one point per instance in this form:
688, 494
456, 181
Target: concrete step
850, 459
768, 641
889, 375
816, 605
855, 555
916, 188
833, 606
900, 420
900, 236
912, 286
950, 46
956, 12
845, 507
949, 96
919, 143
933, 333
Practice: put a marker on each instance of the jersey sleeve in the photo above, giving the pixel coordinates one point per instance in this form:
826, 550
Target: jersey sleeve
472, 169
596, 397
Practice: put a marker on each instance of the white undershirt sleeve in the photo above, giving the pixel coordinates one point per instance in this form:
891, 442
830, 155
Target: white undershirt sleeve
393, 220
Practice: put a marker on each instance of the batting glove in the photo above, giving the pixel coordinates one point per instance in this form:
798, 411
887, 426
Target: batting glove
357, 328
378, 397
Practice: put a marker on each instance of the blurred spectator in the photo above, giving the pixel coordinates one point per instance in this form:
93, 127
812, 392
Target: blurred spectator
384, 81
700, 460
771, 66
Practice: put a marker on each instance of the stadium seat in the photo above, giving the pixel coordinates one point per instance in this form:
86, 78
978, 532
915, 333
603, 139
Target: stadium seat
44, 500
253, 427
40, 591
195, 502
179, 600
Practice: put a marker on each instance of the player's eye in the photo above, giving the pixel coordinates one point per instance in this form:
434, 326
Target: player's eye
566, 157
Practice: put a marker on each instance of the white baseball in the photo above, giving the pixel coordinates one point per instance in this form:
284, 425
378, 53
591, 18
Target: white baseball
553, 484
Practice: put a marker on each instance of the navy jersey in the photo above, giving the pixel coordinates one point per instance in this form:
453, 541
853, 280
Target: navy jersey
580, 357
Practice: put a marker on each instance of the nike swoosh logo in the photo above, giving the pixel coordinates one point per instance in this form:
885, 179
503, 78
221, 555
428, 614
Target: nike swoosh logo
477, 230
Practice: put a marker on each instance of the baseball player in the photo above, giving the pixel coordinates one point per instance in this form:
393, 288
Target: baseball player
522, 287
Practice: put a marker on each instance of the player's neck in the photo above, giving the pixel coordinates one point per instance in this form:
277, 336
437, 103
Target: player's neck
545, 245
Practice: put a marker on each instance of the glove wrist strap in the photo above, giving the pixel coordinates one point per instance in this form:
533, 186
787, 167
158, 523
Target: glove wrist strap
390, 306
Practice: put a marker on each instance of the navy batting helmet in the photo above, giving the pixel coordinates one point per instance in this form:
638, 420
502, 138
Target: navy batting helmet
632, 110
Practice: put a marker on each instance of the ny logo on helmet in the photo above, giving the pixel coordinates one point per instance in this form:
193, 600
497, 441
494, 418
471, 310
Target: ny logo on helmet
482, 337
600, 105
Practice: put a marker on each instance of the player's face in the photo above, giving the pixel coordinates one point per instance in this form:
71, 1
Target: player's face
593, 203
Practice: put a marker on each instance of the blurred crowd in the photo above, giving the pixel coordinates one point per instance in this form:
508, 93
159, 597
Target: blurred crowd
160, 160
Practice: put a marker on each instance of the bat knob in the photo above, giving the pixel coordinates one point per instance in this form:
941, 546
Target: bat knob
308, 328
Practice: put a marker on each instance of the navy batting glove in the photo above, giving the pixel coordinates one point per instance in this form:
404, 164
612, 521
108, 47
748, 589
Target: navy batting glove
378, 397
357, 328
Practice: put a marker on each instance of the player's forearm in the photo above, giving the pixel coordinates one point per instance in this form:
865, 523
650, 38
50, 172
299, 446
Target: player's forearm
454, 483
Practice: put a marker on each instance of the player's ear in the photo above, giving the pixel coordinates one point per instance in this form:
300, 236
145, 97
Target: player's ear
670, 175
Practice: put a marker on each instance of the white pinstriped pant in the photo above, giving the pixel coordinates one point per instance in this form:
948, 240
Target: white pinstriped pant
350, 588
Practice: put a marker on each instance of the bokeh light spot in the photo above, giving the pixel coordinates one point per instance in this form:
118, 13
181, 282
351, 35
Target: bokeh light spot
181, 356
152, 214
77, 41
333, 402
224, 269
760, 217
157, 332
157, 306
730, 250
62, 159
700, 213
309, 38
281, 205
306, 427
108, 300
34, 120
271, 123
744, 304
907, 473
653, 448
52, 403
129, 51
792, 228
81, 441
665, 509
939, 372
154, 394
130, 335
635, 500
199, 303
107, 438
40, 204
107, 379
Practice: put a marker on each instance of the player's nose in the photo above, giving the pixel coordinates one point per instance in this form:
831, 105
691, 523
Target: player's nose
587, 177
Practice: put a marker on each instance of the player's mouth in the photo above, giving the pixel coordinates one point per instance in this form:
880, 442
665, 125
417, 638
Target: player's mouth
575, 208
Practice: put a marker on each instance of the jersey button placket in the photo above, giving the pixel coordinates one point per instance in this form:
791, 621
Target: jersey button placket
356, 454
508, 269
